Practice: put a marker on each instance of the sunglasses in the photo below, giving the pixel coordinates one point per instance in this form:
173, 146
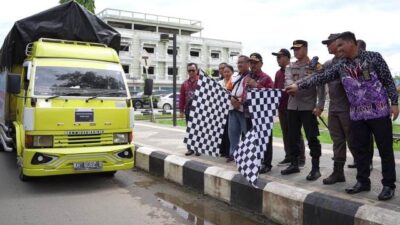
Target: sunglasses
191, 71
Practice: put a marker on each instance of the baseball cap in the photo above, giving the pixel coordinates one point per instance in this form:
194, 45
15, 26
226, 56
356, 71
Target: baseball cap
299, 44
283, 51
331, 38
255, 57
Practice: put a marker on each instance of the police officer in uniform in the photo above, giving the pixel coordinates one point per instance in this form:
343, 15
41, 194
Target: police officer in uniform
303, 110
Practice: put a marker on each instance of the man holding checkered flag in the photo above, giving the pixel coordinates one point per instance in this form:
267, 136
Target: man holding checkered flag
209, 115
263, 105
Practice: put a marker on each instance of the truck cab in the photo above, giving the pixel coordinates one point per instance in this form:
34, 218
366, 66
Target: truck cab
73, 111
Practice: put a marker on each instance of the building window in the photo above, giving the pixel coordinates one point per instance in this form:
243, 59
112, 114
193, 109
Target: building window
215, 55
120, 25
195, 52
149, 50
145, 27
126, 68
124, 47
171, 52
150, 70
233, 55
168, 30
186, 32
171, 71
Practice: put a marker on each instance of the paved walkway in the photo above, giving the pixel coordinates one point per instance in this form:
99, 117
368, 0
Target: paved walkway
170, 140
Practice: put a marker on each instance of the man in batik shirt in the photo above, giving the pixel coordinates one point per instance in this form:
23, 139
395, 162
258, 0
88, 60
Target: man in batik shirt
369, 86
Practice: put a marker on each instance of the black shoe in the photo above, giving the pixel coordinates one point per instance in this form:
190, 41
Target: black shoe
357, 188
189, 152
230, 159
265, 169
386, 194
352, 166
337, 174
313, 175
197, 154
291, 169
284, 162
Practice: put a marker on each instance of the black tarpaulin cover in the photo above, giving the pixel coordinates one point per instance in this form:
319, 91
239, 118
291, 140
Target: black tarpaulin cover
69, 21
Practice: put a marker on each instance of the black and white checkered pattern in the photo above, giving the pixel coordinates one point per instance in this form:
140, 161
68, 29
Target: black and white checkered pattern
208, 117
263, 104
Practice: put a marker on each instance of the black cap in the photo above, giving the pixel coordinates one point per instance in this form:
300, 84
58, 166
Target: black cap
299, 44
331, 38
255, 57
283, 51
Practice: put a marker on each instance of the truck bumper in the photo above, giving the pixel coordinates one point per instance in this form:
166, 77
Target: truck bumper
64, 159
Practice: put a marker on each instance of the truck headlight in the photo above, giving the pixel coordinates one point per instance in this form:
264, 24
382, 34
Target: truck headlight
42, 141
120, 138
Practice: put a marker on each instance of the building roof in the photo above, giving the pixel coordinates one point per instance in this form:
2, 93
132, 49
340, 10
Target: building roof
151, 19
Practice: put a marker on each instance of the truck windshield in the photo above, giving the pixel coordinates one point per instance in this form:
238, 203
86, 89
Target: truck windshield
68, 81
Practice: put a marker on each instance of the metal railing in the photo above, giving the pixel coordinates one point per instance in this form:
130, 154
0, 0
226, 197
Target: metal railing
147, 17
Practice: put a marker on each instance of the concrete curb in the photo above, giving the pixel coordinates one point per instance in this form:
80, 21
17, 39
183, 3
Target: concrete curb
281, 203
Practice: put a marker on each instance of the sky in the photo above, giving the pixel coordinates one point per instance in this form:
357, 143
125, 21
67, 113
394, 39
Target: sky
263, 26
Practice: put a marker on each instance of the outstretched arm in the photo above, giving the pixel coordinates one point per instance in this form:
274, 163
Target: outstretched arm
317, 79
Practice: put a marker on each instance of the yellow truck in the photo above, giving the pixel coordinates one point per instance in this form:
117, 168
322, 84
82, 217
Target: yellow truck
66, 109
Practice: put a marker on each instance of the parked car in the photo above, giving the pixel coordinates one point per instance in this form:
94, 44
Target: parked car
141, 101
165, 101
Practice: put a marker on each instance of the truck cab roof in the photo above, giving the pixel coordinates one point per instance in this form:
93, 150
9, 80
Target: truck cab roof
55, 48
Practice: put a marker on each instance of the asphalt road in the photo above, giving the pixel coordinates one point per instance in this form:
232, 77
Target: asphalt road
130, 197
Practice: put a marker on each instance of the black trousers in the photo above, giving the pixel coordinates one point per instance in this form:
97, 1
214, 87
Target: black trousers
307, 120
283, 120
381, 128
187, 113
268, 153
225, 144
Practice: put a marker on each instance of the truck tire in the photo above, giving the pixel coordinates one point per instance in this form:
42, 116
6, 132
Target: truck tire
22, 176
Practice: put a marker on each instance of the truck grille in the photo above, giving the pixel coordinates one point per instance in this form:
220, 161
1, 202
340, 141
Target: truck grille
82, 140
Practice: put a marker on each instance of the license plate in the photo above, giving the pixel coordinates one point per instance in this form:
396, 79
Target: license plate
88, 165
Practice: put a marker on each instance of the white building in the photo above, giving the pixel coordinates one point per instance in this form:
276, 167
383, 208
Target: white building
141, 31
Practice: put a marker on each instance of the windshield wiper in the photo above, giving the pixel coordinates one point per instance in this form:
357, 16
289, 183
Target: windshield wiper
116, 93
51, 97
90, 98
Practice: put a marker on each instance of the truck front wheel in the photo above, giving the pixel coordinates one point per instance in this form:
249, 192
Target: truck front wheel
22, 176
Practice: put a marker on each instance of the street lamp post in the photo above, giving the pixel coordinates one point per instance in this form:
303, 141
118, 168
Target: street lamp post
166, 38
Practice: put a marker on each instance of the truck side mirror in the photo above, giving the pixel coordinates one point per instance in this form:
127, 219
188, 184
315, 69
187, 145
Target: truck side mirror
13, 83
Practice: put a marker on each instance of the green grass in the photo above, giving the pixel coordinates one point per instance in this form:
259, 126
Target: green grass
148, 117
179, 122
277, 132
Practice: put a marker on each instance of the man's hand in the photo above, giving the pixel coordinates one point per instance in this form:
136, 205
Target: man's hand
251, 83
394, 110
317, 112
236, 103
292, 89
181, 115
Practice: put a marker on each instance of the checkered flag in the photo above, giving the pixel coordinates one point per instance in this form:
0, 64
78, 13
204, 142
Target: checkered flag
263, 104
207, 118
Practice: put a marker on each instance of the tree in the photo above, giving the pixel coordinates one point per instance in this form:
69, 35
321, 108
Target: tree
88, 4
